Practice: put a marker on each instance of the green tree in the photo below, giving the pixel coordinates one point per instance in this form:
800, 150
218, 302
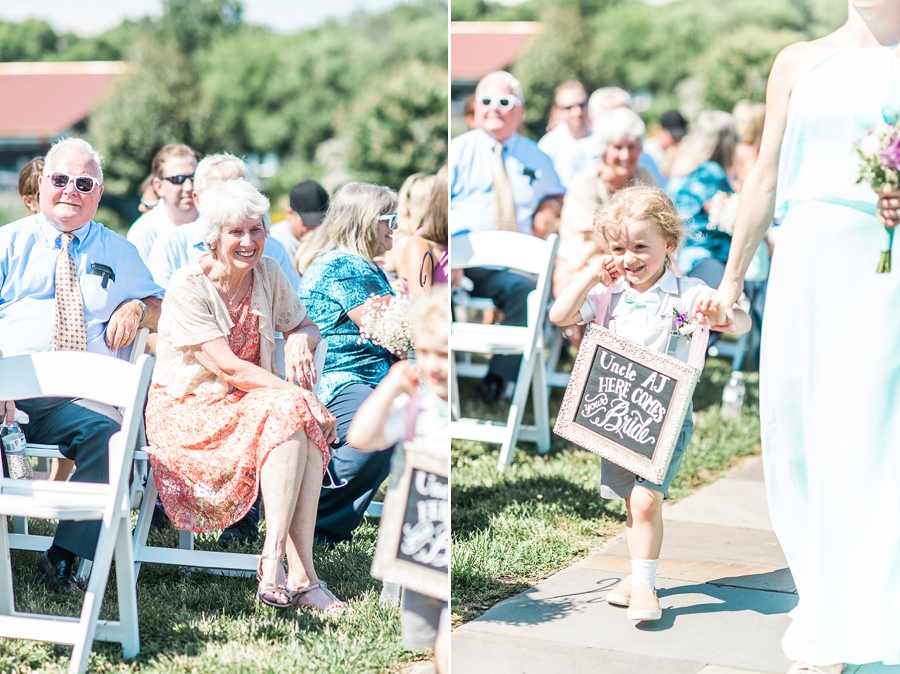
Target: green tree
193, 25
738, 66
155, 103
398, 126
31, 40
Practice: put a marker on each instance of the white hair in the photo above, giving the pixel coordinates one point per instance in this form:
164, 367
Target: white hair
217, 168
227, 203
616, 125
607, 98
70, 146
507, 78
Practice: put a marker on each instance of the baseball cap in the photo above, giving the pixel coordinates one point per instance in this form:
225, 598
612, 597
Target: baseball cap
309, 200
674, 123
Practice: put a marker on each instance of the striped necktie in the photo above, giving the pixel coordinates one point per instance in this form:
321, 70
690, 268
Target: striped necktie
504, 204
69, 332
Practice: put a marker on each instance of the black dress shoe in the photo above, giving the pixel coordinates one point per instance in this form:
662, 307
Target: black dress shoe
491, 390
60, 578
242, 531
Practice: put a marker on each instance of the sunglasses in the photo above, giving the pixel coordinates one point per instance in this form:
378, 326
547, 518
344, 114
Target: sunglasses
179, 179
390, 219
582, 104
503, 102
83, 184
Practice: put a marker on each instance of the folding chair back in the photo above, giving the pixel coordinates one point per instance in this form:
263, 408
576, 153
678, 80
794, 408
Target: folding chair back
116, 383
531, 255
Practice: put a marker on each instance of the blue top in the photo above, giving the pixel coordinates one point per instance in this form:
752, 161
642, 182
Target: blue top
335, 283
471, 159
182, 246
689, 193
29, 249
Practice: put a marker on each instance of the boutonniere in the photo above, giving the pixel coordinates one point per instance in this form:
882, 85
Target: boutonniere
684, 326
531, 173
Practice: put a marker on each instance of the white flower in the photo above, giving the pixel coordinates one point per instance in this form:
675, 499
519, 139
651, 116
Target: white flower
385, 323
686, 329
871, 145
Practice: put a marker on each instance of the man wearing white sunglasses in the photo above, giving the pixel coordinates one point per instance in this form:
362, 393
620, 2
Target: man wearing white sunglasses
68, 283
501, 180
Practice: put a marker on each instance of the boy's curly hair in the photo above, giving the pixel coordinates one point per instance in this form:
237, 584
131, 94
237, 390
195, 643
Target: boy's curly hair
641, 203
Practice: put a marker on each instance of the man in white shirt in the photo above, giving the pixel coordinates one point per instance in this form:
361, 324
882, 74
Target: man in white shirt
173, 179
570, 115
308, 203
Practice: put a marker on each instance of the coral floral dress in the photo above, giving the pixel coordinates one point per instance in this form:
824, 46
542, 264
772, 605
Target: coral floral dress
207, 447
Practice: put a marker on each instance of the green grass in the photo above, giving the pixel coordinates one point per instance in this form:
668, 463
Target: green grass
543, 513
199, 622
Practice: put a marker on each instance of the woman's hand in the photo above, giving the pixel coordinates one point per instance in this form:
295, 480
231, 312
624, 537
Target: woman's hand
8, 411
299, 364
323, 417
888, 211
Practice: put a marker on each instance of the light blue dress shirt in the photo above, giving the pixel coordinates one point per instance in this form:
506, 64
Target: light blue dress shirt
182, 246
471, 158
29, 249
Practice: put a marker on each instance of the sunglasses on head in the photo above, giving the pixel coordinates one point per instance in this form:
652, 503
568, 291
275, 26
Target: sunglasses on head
581, 104
83, 184
179, 179
390, 219
503, 102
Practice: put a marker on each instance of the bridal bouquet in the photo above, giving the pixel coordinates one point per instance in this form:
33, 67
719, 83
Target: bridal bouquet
385, 323
879, 166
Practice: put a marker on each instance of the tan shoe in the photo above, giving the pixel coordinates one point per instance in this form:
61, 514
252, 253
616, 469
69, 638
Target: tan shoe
620, 595
644, 605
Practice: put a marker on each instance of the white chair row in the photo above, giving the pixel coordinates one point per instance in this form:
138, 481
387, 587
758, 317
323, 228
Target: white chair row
530, 255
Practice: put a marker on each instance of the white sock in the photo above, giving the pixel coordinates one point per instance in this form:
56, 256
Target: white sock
643, 572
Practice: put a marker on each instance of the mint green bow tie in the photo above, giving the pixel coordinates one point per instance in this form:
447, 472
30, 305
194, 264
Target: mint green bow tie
633, 301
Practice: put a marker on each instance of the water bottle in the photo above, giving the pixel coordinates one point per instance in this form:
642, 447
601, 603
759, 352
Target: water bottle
14, 451
733, 396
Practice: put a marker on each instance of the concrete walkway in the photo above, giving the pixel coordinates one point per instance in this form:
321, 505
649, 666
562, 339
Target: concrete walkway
723, 586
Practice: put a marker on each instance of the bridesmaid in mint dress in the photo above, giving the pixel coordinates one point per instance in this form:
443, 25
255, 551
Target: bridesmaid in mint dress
830, 370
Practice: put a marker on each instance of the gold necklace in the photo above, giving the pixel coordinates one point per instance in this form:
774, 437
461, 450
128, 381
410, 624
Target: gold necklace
234, 295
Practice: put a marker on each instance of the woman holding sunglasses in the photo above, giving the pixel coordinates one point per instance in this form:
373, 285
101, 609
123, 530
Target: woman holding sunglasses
334, 287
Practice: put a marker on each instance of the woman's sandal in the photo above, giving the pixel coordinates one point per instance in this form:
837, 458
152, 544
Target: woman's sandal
336, 608
803, 668
271, 588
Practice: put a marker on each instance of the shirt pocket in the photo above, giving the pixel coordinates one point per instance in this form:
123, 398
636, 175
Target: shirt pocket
524, 192
99, 302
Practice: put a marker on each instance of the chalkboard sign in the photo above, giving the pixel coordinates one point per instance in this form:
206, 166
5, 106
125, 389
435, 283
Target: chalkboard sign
413, 547
626, 402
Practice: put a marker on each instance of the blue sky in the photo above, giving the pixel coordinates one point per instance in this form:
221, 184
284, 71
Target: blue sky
92, 17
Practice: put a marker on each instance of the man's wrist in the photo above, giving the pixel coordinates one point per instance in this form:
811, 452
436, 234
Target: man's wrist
143, 310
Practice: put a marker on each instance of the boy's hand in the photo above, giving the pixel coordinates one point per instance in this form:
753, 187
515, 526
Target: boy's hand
402, 378
611, 269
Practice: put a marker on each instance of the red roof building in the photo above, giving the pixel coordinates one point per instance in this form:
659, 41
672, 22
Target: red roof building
480, 47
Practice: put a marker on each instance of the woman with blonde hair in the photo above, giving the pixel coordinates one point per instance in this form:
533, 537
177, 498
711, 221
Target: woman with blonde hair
425, 260
700, 171
412, 203
748, 119
337, 282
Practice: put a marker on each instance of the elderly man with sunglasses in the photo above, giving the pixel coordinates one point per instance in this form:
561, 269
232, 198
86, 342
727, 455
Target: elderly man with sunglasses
501, 180
173, 170
570, 123
68, 283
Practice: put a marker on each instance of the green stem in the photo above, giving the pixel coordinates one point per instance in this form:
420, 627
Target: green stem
884, 262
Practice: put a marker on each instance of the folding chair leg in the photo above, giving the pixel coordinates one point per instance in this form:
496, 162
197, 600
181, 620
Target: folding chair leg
20, 525
145, 517
455, 412
540, 401
516, 410
7, 601
93, 598
126, 585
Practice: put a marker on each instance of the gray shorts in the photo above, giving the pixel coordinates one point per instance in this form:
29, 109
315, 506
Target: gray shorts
421, 619
617, 482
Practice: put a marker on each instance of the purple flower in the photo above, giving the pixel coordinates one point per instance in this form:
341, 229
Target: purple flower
890, 157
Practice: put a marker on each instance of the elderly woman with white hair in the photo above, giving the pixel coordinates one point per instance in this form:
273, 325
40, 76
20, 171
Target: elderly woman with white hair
221, 423
619, 137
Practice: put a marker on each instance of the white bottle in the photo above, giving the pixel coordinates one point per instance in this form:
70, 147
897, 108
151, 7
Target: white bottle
733, 396
14, 450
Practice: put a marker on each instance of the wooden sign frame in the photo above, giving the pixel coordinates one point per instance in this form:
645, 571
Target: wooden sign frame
387, 565
684, 376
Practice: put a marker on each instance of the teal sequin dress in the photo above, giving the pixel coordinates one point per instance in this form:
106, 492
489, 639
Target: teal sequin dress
830, 371
335, 283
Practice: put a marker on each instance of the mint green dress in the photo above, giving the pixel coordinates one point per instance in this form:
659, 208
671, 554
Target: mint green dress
830, 371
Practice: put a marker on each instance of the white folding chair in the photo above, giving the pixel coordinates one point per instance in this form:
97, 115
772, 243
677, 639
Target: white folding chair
113, 382
227, 563
527, 254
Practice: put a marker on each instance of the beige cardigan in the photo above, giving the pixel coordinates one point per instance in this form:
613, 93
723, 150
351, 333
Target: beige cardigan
194, 313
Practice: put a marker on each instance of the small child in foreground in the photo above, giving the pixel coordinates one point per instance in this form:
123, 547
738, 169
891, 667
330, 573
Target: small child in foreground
381, 422
641, 228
